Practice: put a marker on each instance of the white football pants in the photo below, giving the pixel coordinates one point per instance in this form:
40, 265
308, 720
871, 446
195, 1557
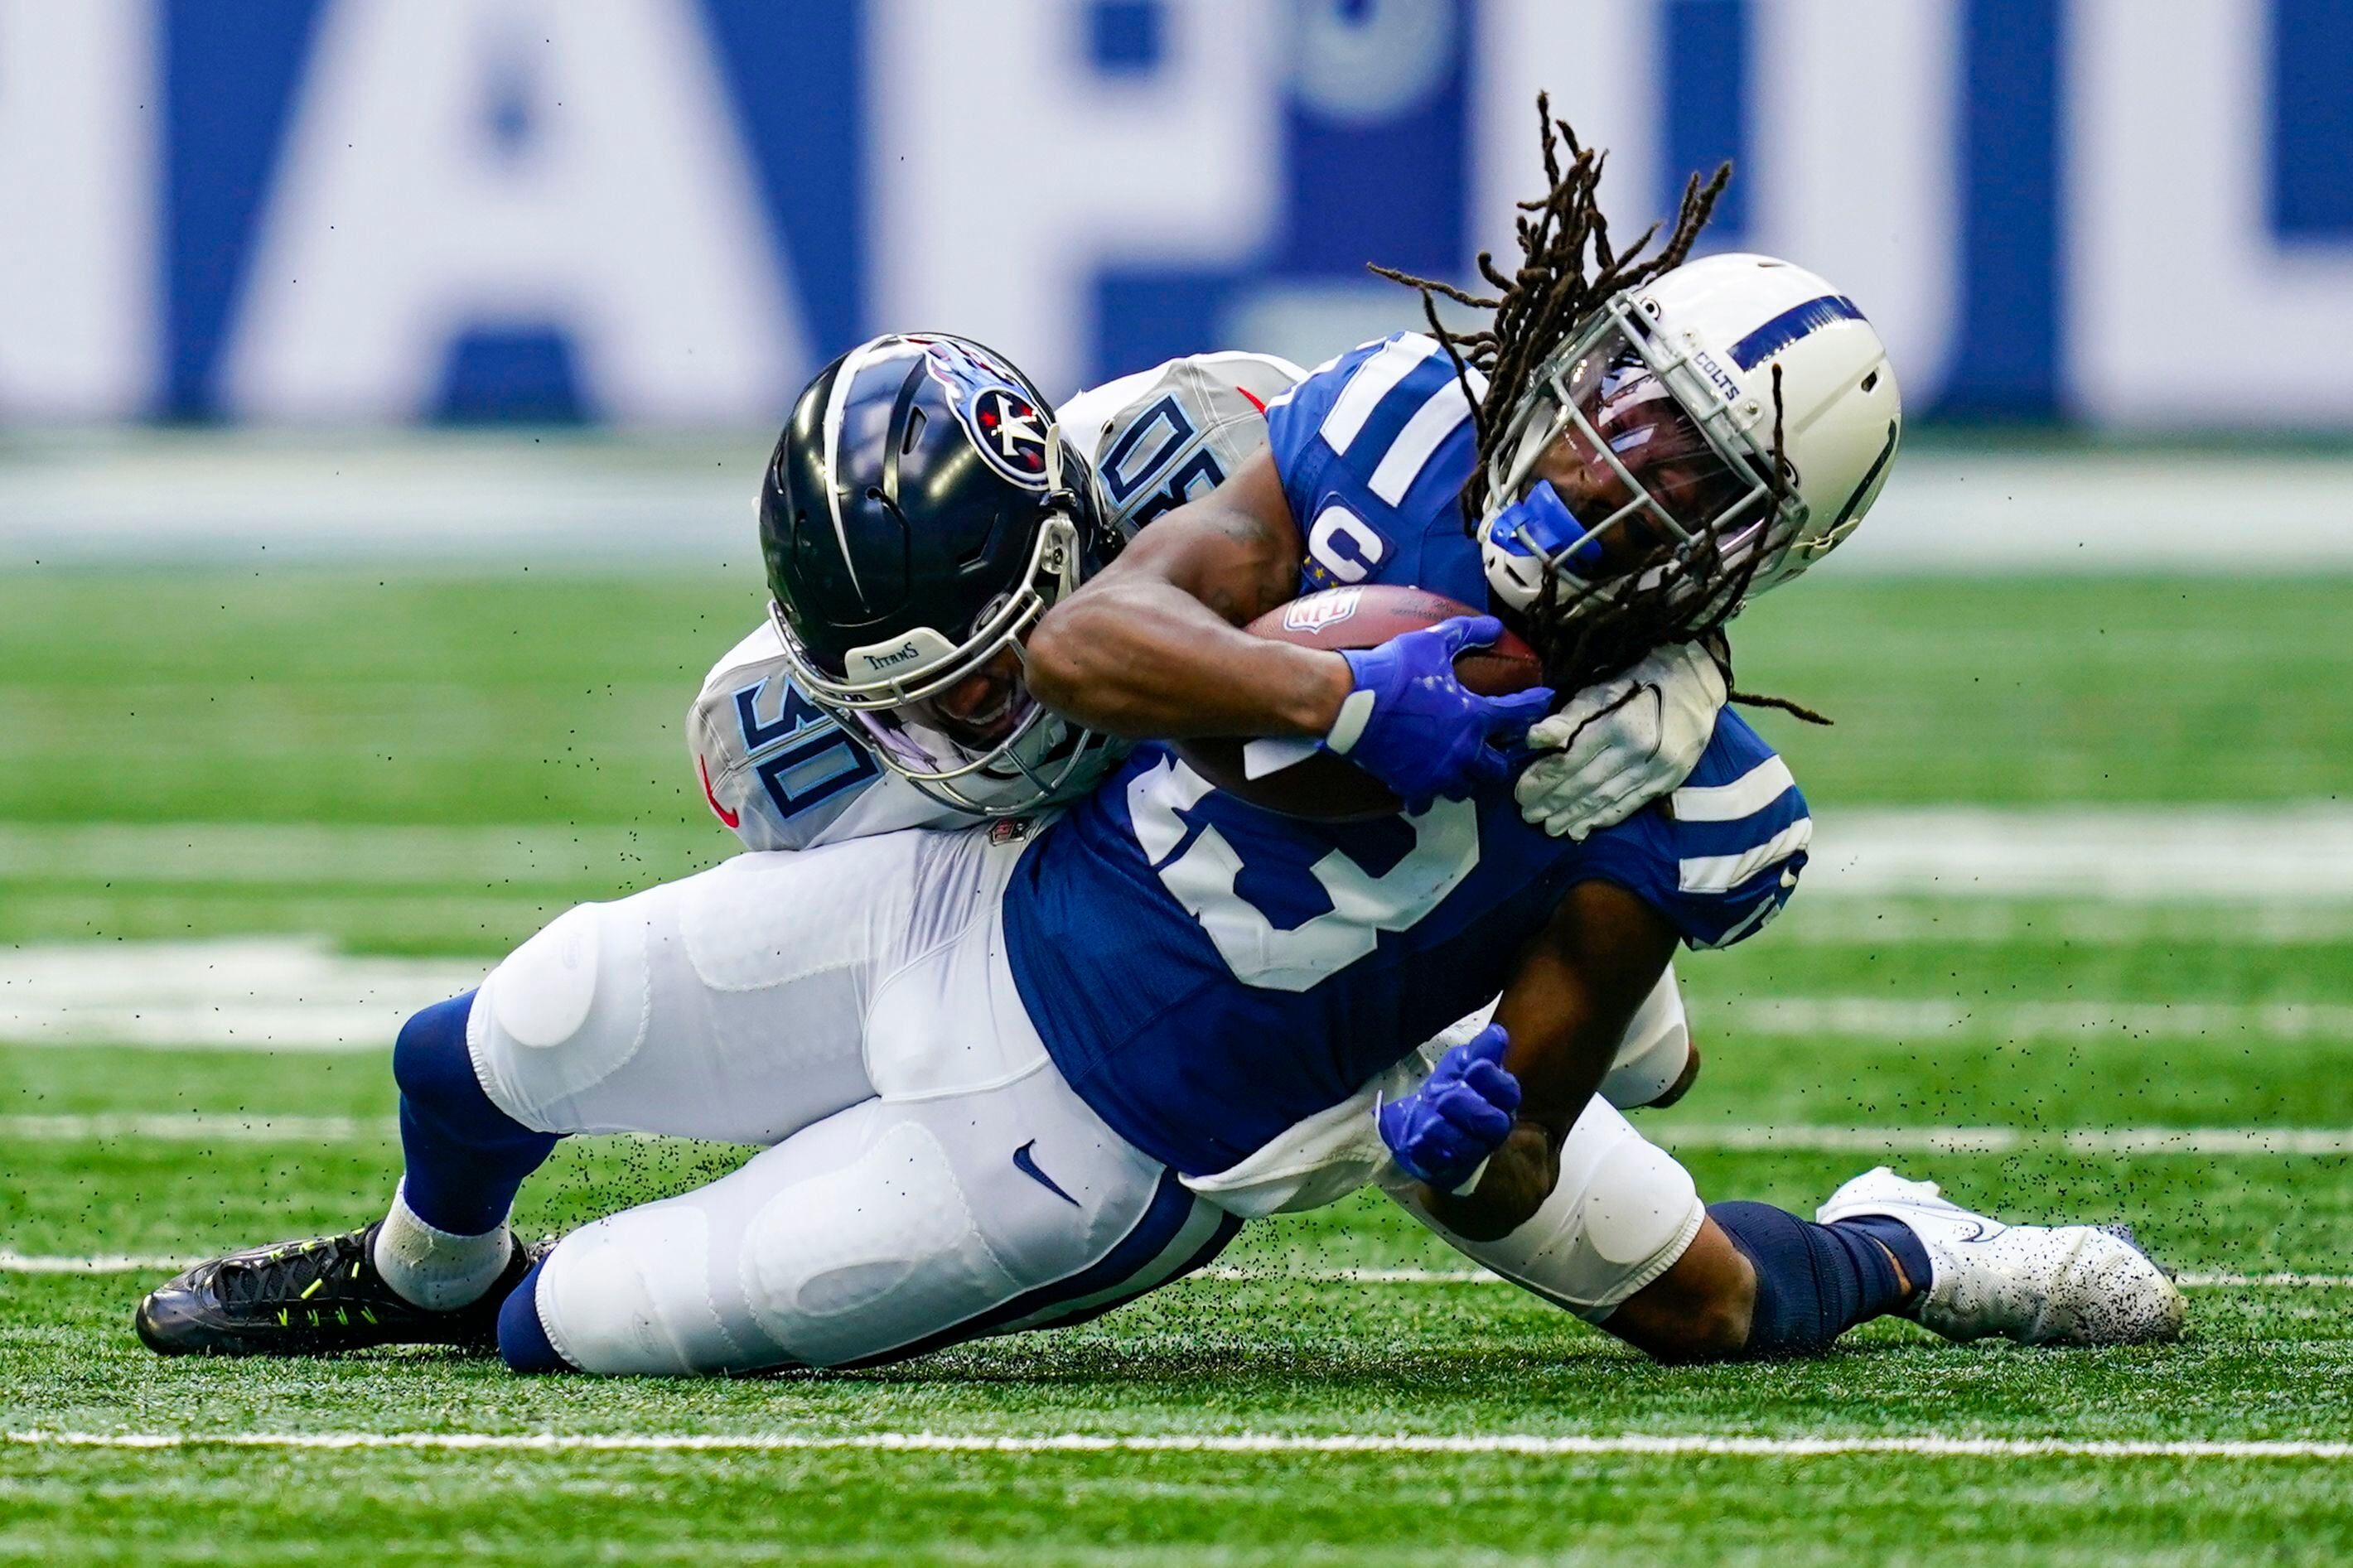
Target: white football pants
928, 1176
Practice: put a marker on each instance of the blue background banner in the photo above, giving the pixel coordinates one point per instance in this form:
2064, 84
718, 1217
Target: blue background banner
669, 212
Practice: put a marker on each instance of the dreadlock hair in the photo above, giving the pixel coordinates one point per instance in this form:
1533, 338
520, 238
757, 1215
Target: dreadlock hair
1568, 270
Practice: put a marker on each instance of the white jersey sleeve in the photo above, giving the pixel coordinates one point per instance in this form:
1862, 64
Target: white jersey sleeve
782, 774
1161, 437
779, 771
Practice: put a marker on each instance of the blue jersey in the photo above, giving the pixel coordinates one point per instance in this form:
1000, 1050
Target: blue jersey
1205, 974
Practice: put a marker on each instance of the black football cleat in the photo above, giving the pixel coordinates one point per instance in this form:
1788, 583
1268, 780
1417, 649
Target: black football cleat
309, 1299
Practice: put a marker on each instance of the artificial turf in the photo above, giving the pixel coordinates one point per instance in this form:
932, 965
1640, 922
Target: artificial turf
337, 738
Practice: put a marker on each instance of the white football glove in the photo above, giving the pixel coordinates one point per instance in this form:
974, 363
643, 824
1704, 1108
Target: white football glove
1620, 744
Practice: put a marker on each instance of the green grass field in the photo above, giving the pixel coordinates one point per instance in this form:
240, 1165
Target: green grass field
418, 772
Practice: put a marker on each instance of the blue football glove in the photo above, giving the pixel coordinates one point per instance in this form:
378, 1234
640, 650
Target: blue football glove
1413, 726
1443, 1132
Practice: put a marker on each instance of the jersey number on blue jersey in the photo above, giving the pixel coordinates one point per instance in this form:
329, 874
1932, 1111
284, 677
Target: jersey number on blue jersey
1160, 800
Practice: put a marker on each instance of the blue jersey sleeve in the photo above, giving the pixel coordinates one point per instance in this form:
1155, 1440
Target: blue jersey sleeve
1719, 857
1372, 450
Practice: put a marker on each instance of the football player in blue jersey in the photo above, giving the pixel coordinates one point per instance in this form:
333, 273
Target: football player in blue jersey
1006, 1079
1621, 460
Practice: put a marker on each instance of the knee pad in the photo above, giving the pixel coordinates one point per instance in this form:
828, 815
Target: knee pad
878, 1253
1623, 1211
629, 1295
541, 993
1640, 1211
564, 1012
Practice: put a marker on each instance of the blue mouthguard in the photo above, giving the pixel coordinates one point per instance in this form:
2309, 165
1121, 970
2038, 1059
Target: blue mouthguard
1540, 525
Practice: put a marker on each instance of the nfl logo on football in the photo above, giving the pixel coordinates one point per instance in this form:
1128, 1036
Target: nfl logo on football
1316, 611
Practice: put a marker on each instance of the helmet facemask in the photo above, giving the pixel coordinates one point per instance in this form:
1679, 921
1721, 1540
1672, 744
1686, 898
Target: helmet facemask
1621, 476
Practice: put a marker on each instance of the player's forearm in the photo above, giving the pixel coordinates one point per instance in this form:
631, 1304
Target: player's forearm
1151, 646
1572, 995
1143, 659
1519, 1177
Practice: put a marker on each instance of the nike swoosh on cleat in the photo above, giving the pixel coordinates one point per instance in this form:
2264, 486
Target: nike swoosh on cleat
1028, 1166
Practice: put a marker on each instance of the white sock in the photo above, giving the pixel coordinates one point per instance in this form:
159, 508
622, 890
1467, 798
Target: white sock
433, 1269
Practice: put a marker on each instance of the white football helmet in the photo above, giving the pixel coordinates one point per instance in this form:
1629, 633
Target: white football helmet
1646, 441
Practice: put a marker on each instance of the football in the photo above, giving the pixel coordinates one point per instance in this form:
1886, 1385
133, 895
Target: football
1287, 775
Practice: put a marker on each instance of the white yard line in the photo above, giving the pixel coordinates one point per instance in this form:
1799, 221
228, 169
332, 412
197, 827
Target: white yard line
673, 502
2165, 854
1910, 920
2188, 1281
138, 1263
257, 994
147, 855
92, 1263
211, 1127
1528, 1444
297, 994
203, 1127
1898, 1020
2003, 1139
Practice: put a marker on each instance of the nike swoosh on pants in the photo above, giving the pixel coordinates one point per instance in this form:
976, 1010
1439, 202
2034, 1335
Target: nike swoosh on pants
1026, 1164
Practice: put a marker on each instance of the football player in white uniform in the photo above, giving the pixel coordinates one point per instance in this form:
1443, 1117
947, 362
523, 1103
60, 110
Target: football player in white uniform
1006, 1080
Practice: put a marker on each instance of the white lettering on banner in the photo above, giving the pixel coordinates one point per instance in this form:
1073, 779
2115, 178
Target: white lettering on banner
1365, 63
1853, 170
1007, 175
2181, 305
1855, 174
80, 329
627, 217
1445, 850
1599, 61
1345, 544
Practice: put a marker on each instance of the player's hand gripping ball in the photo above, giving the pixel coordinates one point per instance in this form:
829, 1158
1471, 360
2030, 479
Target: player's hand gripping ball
1438, 704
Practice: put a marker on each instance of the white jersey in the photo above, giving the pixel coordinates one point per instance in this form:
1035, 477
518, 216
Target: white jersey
782, 774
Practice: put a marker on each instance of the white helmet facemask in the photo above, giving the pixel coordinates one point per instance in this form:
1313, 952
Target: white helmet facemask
1646, 461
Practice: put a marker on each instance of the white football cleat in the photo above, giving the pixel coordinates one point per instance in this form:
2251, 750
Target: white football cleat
2037, 1284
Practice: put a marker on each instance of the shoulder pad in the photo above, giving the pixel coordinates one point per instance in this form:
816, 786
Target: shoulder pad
1177, 431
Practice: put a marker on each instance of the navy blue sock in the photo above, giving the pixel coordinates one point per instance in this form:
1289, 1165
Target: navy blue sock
1897, 1237
1813, 1281
523, 1344
466, 1157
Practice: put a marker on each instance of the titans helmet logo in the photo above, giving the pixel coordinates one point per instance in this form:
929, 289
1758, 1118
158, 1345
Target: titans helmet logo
1010, 434
1007, 429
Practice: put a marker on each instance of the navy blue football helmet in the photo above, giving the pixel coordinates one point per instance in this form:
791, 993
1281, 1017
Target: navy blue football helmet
922, 511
